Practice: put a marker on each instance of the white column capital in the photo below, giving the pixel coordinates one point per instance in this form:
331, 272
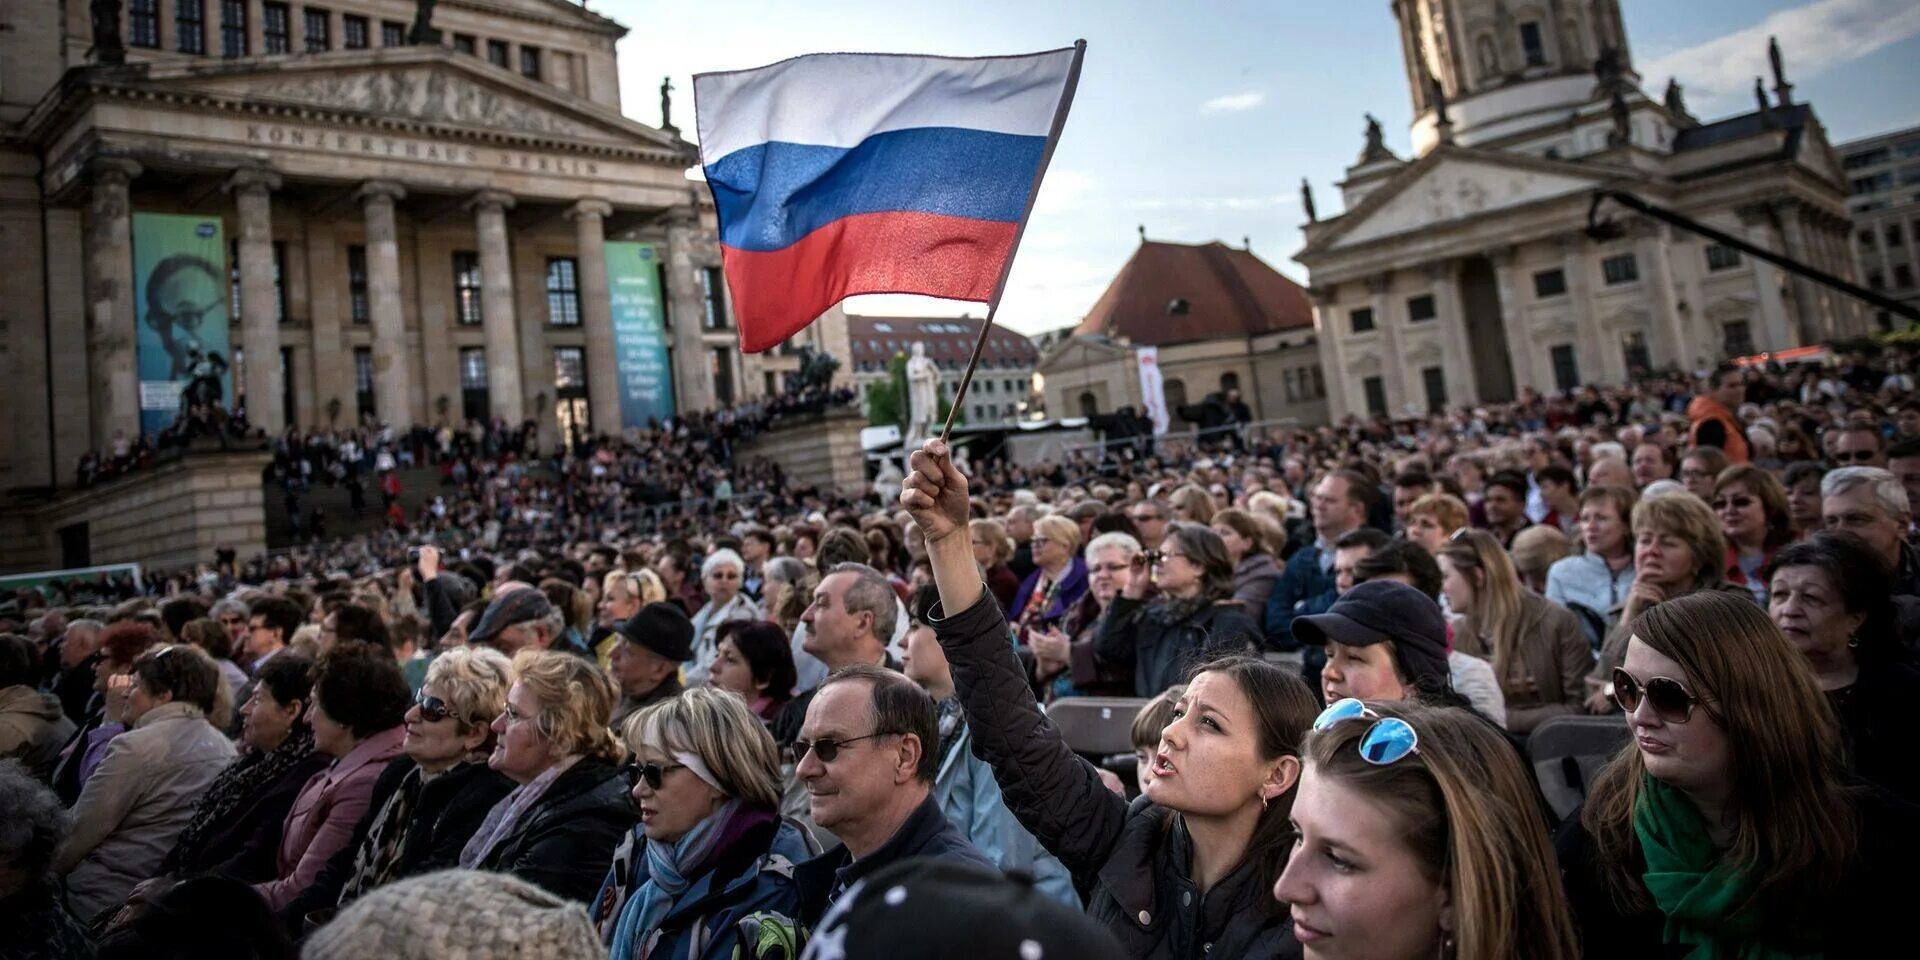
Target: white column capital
590, 208
490, 200
252, 180
380, 190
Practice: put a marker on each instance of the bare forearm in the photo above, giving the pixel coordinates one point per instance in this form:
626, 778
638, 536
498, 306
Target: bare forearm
954, 572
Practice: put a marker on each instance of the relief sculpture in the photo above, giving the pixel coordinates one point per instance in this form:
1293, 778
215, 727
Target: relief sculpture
434, 96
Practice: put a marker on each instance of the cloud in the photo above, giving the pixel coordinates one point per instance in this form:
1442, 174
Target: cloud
1063, 190
1259, 202
1815, 37
1234, 102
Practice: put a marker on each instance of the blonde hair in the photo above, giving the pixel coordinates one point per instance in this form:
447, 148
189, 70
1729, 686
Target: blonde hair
1536, 548
576, 701
1061, 530
1686, 516
1260, 535
473, 681
1467, 810
1496, 597
1197, 503
1449, 511
718, 727
996, 534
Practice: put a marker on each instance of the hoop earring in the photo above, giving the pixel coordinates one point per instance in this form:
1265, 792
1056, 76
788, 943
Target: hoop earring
1263, 803
1853, 640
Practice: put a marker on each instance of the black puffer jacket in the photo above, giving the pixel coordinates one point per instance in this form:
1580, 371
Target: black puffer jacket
1162, 639
565, 842
1133, 858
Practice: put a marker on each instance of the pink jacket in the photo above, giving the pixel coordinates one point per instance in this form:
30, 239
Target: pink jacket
325, 813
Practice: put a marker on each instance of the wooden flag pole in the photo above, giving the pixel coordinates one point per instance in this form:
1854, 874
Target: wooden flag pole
1006, 269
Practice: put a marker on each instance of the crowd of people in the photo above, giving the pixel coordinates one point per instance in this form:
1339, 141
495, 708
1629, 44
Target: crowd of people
652, 702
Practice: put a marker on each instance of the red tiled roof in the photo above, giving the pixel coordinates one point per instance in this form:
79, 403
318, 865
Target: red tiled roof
1228, 292
949, 341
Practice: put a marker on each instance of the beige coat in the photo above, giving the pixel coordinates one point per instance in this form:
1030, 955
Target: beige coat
1548, 678
33, 728
139, 799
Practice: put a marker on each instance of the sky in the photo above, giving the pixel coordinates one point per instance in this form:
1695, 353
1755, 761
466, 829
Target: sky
1198, 120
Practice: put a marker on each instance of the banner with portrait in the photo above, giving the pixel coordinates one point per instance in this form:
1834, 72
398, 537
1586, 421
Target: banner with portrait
180, 291
642, 365
1153, 389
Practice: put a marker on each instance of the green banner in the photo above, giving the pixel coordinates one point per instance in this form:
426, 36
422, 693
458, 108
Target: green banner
643, 365
180, 293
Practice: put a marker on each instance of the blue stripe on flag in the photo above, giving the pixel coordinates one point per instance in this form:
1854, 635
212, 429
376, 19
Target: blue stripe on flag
770, 195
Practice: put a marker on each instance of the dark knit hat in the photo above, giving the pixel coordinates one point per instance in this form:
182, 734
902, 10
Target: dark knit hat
457, 913
1381, 610
933, 910
662, 627
507, 609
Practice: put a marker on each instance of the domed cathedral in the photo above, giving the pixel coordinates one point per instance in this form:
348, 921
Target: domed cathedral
1466, 273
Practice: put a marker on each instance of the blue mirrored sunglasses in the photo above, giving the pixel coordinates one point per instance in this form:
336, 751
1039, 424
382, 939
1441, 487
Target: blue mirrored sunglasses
1388, 740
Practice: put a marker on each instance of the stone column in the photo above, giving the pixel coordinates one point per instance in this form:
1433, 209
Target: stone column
1520, 347
112, 332
596, 313
1458, 354
693, 388
332, 360
392, 382
1327, 317
1806, 303
252, 191
1597, 364
1392, 356
496, 305
1656, 279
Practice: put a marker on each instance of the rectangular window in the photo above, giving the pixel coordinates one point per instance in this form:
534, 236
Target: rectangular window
530, 62
353, 32
563, 292
1376, 390
1895, 237
1866, 237
466, 287
475, 404
1420, 308
276, 27
190, 25
1566, 371
233, 28
715, 288
357, 304
1867, 158
1621, 269
1722, 257
1531, 42
1634, 350
363, 383
1873, 184
279, 270
319, 25
720, 369
1362, 319
393, 33
463, 43
1737, 338
1877, 281
569, 370
1902, 276
497, 53
1549, 283
143, 23
1435, 380
1287, 378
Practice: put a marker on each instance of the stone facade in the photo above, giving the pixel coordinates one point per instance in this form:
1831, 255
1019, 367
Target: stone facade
823, 452
173, 516
396, 213
1883, 175
1468, 274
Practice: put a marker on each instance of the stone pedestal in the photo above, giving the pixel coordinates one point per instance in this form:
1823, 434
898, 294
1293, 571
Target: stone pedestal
825, 452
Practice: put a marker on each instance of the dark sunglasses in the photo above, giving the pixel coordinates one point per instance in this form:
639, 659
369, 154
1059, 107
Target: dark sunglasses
432, 709
826, 749
1856, 456
1671, 701
1737, 503
653, 773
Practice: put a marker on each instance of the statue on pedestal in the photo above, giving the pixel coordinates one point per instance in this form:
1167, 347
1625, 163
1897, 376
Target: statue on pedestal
923, 396
666, 104
108, 45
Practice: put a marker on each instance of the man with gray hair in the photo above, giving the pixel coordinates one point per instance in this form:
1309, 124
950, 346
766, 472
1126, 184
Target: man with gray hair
1871, 504
232, 613
37, 922
852, 615
79, 651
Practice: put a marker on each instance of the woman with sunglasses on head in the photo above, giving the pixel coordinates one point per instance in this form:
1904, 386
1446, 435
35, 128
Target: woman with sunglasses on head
1834, 600
711, 849
1418, 835
1192, 618
1185, 870
1726, 827
428, 801
1752, 506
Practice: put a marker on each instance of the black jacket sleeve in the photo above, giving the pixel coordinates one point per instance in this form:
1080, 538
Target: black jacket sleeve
1114, 640
1055, 794
440, 609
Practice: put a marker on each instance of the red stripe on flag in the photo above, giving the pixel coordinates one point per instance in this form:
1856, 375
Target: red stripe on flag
777, 293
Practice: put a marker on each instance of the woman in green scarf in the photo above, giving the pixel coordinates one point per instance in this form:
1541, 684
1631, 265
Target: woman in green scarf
1726, 829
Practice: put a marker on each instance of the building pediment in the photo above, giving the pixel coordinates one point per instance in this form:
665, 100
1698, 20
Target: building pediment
1076, 353
1454, 184
427, 85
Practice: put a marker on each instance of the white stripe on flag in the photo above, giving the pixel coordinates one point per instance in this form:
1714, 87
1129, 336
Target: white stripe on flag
840, 99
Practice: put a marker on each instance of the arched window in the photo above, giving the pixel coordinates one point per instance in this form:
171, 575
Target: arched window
1176, 394
1089, 407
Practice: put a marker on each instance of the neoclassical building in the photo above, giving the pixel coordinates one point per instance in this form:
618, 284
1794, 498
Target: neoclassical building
365, 219
1466, 272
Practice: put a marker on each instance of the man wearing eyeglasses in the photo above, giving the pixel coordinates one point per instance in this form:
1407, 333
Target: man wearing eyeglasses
1150, 520
1869, 503
868, 755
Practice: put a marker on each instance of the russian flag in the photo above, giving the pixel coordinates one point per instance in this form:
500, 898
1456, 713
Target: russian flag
840, 174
